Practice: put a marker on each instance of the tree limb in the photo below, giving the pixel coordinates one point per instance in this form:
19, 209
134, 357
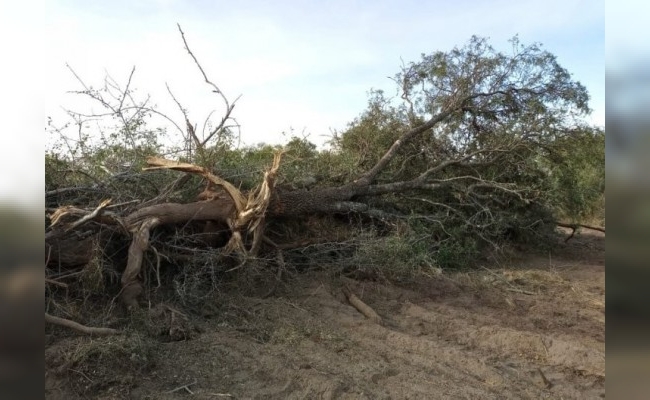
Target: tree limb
371, 174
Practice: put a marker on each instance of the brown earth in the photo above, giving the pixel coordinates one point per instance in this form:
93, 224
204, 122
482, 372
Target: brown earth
531, 328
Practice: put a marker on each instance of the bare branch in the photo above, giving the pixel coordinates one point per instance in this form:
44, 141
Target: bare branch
126, 89
187, 47
229, 107
80, 328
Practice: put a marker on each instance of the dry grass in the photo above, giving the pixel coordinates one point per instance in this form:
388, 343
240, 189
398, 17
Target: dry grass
87, 364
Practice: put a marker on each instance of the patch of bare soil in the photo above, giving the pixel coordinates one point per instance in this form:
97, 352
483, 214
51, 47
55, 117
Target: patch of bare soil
531, 328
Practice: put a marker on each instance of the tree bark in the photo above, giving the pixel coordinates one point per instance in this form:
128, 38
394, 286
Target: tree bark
219, 209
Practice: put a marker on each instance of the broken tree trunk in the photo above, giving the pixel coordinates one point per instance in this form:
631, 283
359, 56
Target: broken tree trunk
238, 212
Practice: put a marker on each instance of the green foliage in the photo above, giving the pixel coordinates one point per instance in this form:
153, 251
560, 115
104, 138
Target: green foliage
301, 162
368, 136
528, 82
576, 173
243, 167
303, 165
458, 252
519, 113
55, 167
395, 256
406, 254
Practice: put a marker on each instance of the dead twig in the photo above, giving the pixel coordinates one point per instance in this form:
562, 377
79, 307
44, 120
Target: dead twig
547, 383
80, 328
166, 192
70, 275
521, 291
511, 287
545, 347
186, 387
126, 203
47, 260
82, 374
157, 265
594, 228
58, 214
56, 283
229, 106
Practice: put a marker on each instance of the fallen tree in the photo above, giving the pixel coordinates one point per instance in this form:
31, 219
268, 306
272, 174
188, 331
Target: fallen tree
464, 152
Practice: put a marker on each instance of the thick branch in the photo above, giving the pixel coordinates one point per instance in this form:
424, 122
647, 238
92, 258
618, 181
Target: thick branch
219, 209
369, 176
362, 307
235, 194
131, 288
59, 191
302, 202
575, 226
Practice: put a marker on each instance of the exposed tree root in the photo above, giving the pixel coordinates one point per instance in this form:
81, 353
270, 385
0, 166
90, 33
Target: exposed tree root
131, 287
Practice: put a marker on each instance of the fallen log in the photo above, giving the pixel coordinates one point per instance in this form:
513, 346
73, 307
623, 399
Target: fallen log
574, 228
362, 307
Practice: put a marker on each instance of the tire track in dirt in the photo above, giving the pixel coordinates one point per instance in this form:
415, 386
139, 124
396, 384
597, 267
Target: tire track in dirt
450, 346
322, 348
426, 364
568, 350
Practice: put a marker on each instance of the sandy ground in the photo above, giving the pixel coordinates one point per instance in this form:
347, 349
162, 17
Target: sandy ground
532, 328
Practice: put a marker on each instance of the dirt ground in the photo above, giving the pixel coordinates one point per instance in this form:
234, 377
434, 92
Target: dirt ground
529, 328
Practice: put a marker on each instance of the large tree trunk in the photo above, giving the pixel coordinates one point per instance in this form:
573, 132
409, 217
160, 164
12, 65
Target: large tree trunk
219, 209
301, 202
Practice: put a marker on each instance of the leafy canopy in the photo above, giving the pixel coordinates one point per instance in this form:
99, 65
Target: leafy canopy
503, 135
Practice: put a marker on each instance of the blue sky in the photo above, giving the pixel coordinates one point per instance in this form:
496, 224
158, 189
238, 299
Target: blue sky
304, 65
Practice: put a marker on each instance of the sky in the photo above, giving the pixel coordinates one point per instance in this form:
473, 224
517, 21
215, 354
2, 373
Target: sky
300, 66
